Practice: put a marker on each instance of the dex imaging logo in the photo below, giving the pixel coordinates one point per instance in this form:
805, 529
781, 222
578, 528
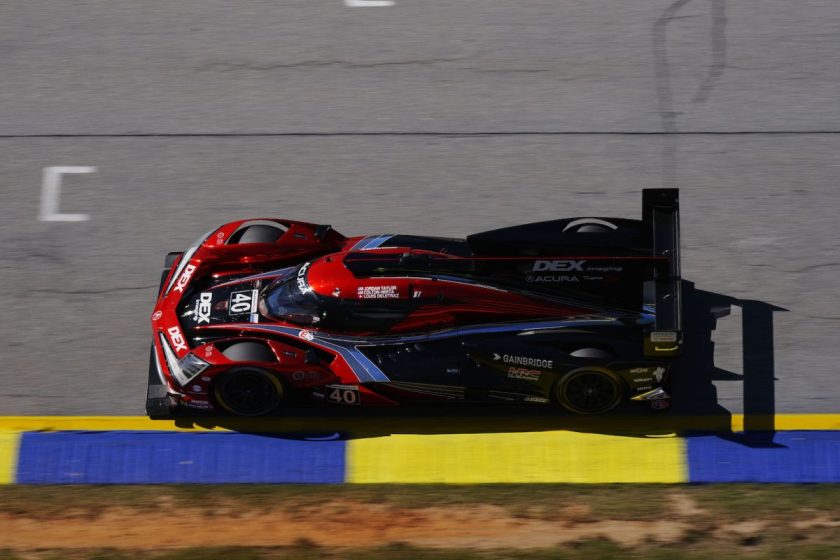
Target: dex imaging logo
558, 266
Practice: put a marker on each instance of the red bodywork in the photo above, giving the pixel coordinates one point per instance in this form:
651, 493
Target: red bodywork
447, 303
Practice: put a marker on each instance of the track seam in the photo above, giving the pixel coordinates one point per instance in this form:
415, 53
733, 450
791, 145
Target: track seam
423, 133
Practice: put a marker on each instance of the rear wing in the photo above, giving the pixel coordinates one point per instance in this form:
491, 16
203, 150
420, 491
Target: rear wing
661, 216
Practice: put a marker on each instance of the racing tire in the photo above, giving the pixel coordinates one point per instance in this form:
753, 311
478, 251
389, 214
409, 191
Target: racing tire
590, 390
170, 259
163, 275
159, 403
167, 266
248, 391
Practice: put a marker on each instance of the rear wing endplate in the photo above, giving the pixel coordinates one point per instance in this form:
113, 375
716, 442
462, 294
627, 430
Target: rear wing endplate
661, 214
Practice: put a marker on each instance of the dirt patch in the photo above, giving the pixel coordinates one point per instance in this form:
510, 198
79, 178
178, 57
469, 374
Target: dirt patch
685, 506
138, 523
338, 523
820, 521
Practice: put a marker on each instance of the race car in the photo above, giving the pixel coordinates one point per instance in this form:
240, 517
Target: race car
579, 313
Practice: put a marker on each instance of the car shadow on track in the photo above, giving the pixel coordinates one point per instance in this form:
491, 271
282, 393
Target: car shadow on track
694, 391
696, 406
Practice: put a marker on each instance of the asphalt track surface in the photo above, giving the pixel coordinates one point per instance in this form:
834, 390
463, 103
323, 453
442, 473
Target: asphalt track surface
429, 117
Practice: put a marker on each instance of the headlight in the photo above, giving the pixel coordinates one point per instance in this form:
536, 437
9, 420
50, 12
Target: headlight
185, 369
191, 365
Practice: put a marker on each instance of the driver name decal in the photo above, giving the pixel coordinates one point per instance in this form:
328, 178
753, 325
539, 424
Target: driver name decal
377, 292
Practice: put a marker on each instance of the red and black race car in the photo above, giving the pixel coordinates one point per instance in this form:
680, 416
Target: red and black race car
583, 313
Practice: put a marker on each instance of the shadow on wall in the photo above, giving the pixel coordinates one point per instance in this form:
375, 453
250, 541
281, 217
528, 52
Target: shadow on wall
696, 406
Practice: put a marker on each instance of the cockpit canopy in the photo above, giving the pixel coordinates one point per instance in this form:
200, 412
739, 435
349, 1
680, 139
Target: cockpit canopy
291, 299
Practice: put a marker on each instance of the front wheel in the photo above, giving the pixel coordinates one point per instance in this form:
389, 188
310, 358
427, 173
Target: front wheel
590, 391
248, 392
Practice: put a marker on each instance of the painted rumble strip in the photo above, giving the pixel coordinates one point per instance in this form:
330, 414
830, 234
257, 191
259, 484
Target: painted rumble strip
801, 456
123, 450
8, 456
521, 457
161, 457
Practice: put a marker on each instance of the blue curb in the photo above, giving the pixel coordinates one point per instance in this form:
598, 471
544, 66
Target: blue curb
175, 457
793, 457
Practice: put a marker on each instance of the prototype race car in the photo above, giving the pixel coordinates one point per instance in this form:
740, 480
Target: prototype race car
581, 312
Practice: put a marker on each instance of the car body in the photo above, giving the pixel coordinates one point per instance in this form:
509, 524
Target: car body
580, 312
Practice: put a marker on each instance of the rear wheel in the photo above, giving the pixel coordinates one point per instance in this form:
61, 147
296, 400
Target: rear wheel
248, 392
590, 391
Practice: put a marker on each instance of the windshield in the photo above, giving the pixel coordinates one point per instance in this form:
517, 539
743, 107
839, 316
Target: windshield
291, 299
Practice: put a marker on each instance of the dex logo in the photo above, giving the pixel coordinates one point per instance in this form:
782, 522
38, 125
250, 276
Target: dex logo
177, 338
202, 308
558, 266
185, 278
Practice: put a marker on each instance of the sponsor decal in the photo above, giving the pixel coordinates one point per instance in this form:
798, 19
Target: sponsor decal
453, 371
644, 388
203, 307
640, 370
608, 268
220, 236
558, 266
642, 380
197, 388
343, 394
301, 375
206, 378
306, 335
660, 404
198, 404
242, 302
547, 278
658, 373
663, 336
522, 373
157, 315
535, 399
185, 278
177, 338
377, 292
208, 350
573, 266
301, 278
524, 361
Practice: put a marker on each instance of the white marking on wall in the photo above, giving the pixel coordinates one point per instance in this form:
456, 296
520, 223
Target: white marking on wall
368, 3
51, 194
